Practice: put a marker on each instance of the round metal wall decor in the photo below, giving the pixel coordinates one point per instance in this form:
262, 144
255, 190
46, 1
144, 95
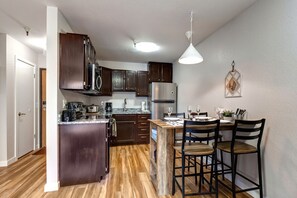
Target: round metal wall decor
233, 83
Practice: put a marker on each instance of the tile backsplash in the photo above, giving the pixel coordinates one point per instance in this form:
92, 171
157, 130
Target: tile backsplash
117, 100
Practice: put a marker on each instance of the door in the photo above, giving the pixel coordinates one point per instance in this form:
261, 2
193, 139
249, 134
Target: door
42, 107
24, 107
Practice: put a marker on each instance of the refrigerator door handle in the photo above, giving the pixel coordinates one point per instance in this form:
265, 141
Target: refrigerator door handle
163, 101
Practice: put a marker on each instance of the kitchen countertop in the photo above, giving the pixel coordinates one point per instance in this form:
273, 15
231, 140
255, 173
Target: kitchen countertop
86, 121
129, 111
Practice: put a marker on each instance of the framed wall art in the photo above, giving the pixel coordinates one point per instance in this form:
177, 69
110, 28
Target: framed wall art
233, 83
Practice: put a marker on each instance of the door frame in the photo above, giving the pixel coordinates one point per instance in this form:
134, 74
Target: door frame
16, 134
40, 106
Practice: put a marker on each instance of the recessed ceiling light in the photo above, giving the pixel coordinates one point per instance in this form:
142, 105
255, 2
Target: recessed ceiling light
146, 46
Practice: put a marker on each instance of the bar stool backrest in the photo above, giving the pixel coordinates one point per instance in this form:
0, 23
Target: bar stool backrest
248, 130
202, 131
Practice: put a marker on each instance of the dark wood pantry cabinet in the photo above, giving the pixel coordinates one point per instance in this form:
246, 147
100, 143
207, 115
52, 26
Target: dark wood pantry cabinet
142, 84
76, 53
160, 72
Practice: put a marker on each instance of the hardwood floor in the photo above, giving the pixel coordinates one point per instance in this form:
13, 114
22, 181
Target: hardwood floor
128, 177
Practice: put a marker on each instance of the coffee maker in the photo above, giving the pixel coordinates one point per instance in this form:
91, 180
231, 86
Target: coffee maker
108, 107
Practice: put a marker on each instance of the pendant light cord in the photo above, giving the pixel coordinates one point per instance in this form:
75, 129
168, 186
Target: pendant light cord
191, 25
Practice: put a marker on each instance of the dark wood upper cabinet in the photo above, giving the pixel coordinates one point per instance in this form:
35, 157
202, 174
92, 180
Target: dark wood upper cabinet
106, 89
142, 83
160, 72
118, 80
123, 80
76, 53
130, 80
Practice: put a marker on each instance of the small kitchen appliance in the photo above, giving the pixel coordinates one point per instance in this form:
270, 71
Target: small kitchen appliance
108, 107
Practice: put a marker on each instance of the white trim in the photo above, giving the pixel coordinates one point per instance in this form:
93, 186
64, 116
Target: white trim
49, 187
8, 162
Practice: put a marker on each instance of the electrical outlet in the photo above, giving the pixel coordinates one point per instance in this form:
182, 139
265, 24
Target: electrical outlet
64, 103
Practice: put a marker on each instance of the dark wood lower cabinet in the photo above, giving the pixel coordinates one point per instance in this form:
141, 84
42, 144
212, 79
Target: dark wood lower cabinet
131, 129
83, 153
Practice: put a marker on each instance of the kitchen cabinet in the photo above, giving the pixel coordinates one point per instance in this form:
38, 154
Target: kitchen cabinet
106, 89
131, 129
142, 83
160, 72
143, 129
126, 127
76, 53
83, 153
123, 80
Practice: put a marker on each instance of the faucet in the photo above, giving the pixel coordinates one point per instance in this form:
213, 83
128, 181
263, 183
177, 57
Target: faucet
125, 103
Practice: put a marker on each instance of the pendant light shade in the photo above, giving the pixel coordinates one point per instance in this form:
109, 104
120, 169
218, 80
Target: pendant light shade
191, 55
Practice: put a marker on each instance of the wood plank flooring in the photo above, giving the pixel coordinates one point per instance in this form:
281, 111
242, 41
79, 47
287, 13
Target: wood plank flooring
128, 178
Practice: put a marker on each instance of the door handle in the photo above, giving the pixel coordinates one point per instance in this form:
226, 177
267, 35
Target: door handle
20, 114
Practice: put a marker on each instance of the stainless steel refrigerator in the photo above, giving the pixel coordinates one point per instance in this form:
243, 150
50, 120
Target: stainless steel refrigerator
162, 96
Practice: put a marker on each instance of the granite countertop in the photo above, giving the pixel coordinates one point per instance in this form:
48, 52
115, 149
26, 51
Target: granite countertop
129, 111
86, 121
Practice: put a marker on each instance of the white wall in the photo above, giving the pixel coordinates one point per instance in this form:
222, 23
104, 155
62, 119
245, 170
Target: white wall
117, 98
263, 43
56, 23
3, 128
52, 98
13, 49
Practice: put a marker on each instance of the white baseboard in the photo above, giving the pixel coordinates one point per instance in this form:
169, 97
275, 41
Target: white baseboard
49, 187
8, 162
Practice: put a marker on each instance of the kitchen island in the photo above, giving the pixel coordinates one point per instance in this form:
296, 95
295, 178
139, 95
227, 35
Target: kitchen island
161, 153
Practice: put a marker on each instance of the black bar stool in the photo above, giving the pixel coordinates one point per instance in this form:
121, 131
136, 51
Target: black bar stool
243, 132
196, 146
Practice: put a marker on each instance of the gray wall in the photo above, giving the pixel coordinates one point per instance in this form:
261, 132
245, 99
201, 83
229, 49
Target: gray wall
263, 43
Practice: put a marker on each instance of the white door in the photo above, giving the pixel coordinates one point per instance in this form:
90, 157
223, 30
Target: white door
24, 107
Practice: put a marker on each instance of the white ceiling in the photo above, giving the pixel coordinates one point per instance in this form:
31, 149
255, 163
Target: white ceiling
113, 24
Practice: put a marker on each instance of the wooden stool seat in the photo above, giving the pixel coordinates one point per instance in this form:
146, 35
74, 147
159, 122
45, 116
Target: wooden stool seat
193, 148
239, 147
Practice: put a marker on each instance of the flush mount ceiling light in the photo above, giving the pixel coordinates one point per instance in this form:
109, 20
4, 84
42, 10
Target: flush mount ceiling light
191, 55
146, 46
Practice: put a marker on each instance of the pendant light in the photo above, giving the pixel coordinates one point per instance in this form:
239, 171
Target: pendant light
191, 55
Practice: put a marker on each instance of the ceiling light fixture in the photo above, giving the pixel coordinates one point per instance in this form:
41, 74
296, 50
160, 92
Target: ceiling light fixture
146, 46
191, 55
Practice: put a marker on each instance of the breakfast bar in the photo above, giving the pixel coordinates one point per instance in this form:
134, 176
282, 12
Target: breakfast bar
161, 153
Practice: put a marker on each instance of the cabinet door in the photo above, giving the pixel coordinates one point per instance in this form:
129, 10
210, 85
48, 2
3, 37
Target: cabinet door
166, 72
106, 89
82, 153
130, 80
73, 67
125, 132
126, 127
154, 70
118, 80
142, 84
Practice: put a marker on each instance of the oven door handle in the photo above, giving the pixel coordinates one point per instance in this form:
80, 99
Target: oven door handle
99, 85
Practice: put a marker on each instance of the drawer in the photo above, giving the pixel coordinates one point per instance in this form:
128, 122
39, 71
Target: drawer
143, 124
143, 130
121, 117
143, 117
143, 138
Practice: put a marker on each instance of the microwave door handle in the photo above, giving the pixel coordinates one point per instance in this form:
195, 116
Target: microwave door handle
99, 85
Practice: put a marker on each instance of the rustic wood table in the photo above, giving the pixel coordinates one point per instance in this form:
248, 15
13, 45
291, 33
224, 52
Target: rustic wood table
161, 153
